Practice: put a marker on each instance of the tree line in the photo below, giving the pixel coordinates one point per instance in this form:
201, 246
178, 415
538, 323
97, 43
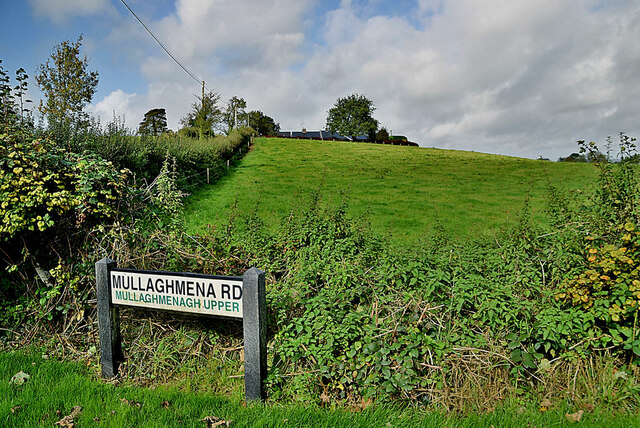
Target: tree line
207, 117
68, 86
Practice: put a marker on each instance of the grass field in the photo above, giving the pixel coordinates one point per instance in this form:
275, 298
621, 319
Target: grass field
54, 388
402, 191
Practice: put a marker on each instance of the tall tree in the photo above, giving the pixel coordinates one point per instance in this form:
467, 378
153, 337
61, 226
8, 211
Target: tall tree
205, 115
352, 116
382, 135
263, 124
154, 122
234, 113
67, 83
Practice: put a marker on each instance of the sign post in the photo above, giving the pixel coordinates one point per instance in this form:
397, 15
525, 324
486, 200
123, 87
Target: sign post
108, 321
254, 328
219, 296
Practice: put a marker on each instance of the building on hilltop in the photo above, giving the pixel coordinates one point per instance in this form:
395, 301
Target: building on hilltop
317, 135
326, 135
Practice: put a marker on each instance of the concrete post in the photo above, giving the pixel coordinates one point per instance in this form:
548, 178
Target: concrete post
254, 325
108, 321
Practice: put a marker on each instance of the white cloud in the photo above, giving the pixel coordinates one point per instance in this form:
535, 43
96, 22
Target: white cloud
116, 103
132, 106
244, 32
501, 76
242, 48
506, 77
59, 11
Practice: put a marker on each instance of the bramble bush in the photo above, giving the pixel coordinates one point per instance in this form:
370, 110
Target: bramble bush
355, 320
606, 285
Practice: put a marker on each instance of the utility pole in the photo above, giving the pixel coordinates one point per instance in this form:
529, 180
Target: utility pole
201, 130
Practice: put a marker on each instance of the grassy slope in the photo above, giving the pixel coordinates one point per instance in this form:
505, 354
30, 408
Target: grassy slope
401, 190
54, 388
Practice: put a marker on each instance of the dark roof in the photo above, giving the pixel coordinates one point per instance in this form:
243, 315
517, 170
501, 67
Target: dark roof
313, 135
326, 135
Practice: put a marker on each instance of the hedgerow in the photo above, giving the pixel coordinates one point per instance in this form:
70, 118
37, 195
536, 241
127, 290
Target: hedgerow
143, 155
60, 211
351, 318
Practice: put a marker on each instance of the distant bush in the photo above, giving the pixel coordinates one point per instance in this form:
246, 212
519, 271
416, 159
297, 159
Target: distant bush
574, 157
382, 135
397, 138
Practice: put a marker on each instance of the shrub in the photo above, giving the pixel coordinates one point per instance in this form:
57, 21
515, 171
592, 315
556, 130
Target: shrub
52, 203
397, 138
382, 135
42, 185
606, 283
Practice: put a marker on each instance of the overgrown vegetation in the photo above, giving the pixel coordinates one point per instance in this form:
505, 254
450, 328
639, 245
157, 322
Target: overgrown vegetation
545, 311
143, 155
452, 324
448, 324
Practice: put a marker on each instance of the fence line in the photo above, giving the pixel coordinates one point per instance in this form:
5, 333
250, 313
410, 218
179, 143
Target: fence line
216, 171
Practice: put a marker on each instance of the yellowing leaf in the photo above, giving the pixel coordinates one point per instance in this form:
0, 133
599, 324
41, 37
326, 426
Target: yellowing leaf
574, 417
19, 378
214, 421
68, 421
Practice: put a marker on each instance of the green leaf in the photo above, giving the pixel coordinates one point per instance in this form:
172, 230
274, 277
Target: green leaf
511, 336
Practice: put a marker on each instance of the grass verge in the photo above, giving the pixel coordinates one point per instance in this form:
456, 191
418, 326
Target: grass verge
54, 388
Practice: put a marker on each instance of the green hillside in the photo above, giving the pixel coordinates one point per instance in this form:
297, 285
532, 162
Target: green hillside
402, 191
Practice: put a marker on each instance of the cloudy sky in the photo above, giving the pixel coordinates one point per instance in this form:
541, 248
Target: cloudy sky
516, 77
